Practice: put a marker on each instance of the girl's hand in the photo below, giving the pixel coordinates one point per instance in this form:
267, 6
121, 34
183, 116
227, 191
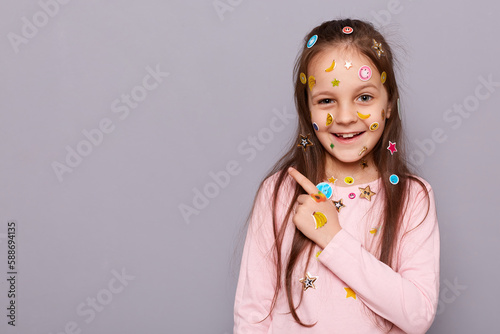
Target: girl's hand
312, 226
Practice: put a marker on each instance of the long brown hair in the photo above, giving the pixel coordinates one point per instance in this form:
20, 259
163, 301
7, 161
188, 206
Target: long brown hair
311, 162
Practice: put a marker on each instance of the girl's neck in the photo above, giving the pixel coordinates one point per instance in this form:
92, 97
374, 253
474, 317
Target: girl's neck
362, 171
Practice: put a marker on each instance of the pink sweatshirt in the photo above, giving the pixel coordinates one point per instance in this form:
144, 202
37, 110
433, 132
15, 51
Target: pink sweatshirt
353, 289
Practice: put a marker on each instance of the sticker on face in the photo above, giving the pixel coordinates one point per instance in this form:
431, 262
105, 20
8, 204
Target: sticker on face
303, 78
312, 41
315, 126
329, 69
363, 116
348, 64
335, 83
383, 114
329, 119
374, 126
312, 82
383, 77
347, 30
365, 73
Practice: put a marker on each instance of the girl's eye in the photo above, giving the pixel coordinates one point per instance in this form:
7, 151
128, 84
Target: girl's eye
365, 98
325, 101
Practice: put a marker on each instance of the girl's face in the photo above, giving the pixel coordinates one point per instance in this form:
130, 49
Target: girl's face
348, 103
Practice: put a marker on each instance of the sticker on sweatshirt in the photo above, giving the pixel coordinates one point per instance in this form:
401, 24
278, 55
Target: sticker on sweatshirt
308, 281
366, 193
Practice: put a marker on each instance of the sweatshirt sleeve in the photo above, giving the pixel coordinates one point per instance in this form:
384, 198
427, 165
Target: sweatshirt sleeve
256, 282
409, 297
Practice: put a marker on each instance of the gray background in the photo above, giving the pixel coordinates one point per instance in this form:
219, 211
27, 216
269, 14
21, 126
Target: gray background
229, 75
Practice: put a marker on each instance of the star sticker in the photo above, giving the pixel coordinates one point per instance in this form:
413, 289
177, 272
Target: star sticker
363, 164
350, 293
392, 147
304, 142
374, 230
335, 82
378, 48
348, 64
332, 180
338, 204
366, 193
308, 281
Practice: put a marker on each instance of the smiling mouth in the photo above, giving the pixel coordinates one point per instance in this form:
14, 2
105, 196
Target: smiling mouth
348, 135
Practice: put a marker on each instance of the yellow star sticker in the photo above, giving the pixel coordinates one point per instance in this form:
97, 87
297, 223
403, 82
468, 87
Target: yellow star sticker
335, 82
350, 293
308, 281
332, 180
317, 254
366, 193
373, 230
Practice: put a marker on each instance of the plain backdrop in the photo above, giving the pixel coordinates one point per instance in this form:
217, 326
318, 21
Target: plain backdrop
134, 134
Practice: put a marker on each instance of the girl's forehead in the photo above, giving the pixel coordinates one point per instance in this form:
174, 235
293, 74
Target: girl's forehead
339, 54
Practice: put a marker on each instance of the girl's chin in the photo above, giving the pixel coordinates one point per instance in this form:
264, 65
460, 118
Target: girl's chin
348, 157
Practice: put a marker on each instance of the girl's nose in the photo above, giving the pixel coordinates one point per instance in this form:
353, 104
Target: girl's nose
345, 115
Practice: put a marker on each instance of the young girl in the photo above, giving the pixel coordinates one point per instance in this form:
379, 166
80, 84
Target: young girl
342, 237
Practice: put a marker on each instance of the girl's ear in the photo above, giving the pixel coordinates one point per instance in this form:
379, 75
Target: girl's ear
388, 113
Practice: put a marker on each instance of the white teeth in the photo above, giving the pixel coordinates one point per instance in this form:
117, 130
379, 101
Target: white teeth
348, 135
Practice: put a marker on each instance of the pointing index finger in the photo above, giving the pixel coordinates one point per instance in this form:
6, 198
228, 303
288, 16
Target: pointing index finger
304, 182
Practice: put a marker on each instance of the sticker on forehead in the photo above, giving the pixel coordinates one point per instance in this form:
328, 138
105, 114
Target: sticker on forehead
303, 78
374, 126
329, 69
383, 77
347, 30
365, 73
348, 64
312, 41
329, 119
335, 83
312, 82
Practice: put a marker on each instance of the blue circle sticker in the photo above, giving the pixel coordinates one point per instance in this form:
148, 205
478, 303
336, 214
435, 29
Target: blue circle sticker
312, 41
394, 179
326, 189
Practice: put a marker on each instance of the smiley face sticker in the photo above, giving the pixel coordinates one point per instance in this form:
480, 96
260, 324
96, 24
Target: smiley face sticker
374, 126
347, 30
365, 73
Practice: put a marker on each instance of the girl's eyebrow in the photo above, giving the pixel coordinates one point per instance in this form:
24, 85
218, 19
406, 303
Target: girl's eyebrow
328, 92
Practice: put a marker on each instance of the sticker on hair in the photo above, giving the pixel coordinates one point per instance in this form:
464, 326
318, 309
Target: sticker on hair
374, 126
394, 179
329, 119
304, 142
363, 116
392, 147
303, 78
365, 73
315, 126
335, 82
329, 69
347, 30
325, 188
319, 219
383, 77
312, 41
378, 48
312, 82
366, 193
